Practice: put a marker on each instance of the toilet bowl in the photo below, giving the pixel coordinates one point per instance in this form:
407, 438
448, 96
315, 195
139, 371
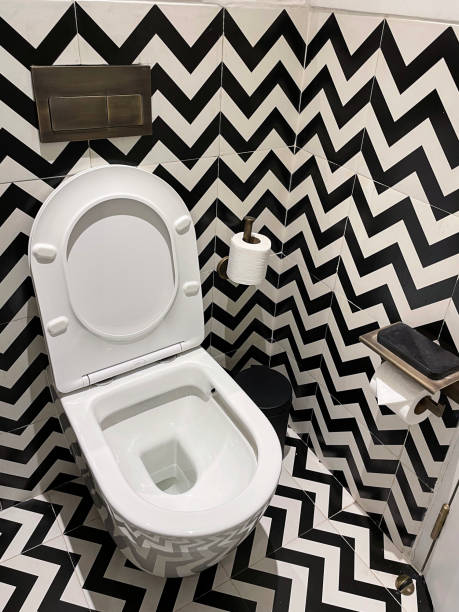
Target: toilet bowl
179, 460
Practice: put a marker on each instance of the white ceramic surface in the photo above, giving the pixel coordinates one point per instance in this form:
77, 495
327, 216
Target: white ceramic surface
187, 413
181, 463
124, 280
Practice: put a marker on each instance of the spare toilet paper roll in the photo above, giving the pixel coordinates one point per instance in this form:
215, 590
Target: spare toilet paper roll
248, 261
399, 392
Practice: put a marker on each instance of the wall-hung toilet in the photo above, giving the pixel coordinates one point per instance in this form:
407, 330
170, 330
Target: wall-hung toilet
180, 461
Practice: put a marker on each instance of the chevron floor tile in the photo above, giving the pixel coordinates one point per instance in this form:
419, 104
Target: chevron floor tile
42, 578
385, 561
327, 493
342, 562
313, 549
27, 525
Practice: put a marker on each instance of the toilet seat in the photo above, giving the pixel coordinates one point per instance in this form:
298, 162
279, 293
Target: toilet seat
94, 410
114, 263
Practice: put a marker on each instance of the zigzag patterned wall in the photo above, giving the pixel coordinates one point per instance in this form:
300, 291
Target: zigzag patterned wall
339, 134
372, 237
224, 119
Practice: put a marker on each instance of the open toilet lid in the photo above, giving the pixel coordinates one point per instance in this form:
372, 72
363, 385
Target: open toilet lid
114, 262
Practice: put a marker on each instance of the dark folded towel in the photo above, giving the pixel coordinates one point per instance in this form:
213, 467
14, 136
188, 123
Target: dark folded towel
427, 357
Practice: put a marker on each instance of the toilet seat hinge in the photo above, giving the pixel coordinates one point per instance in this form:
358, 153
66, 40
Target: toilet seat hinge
134, 364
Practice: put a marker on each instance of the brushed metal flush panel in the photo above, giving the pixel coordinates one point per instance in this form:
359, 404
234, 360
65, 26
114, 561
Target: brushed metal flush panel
91, 102
78, 112
124, 110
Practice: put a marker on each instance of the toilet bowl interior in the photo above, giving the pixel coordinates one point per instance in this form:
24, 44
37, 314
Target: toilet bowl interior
180, 448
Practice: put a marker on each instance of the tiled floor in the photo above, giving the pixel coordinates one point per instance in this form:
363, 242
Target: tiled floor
314, 549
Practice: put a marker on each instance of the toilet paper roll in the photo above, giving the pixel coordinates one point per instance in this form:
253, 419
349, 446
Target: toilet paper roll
248, 261
399, 392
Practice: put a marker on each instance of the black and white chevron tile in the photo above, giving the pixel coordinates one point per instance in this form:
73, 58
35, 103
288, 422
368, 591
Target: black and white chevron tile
33, 449
19, 203
183, 46
340, 67
398, 259
263, 58
318, 205
313, 548
390, 469
256, 186
411, 138
31, 458
302, 312
24, 393
319, 201
38, 33
346, 153
380, 98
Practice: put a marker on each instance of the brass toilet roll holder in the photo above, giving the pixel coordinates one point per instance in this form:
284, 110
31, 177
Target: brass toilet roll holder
222, 265
449, 385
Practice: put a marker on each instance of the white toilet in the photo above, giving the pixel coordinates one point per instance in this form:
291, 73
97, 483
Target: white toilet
180, 461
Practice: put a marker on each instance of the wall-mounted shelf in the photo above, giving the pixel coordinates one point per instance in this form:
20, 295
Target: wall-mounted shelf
448, 385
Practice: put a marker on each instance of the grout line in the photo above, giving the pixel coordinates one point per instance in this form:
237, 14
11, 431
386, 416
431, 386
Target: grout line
79, 577
385, 15
303, 76
337, 528
331, 474
456, 286
221, 83
370, 570
292, 165
77, 35
369, 106
370, 178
